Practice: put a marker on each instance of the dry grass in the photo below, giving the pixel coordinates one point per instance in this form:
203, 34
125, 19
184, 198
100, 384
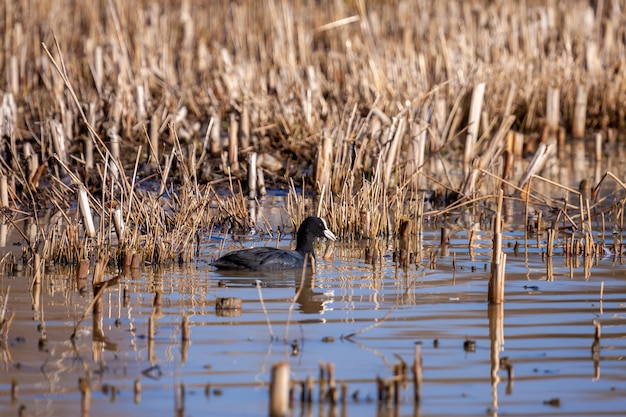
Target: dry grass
365, 101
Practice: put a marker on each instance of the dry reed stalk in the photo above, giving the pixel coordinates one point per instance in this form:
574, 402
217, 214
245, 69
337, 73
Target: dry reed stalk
417, 373
32, 164
498, 259
252, 175
553, 114
233, 145
580, 113
215, 135
381, 389
85, 211
398, 377
4, 192
153, 142
324, 163
279, 390
5, 322
480, 163
38, 266
598, 142
118, 223
114, 150
536, 164
322, 382
333, 394
473, 124
244, 131
58, 140
261, 182
389, 155
14, 79
550, 241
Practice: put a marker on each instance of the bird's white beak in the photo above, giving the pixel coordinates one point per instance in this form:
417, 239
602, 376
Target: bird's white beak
327, 233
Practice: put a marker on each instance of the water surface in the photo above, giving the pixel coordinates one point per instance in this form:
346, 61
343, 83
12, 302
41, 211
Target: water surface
361, 318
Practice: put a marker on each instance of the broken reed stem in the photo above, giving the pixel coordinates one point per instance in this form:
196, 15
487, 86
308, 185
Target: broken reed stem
4, 191
215, 136
322, 382
85, 211
498, 260
38, 266
88, 151
417, 373
279, 390
323, 172
4, 324
543, 153
392, 151
551, 237
118, 223
473, 124
261, 182
397, 373
252, 176
552, 109
233, 149
333, 393
580, 113
154, 140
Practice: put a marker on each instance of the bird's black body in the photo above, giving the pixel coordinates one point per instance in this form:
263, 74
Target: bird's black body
272, 259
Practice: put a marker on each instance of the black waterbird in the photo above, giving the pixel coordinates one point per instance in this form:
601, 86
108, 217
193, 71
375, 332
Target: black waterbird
272, 259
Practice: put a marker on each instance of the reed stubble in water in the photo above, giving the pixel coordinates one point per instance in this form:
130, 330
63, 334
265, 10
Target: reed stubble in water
498, 262
279, 390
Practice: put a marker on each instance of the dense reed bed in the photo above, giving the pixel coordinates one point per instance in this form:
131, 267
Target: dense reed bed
159, 119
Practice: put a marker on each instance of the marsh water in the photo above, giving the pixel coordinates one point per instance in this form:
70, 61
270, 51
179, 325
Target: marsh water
362, 316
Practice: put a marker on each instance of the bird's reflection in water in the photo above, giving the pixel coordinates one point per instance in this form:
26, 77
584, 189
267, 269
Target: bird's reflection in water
309, 299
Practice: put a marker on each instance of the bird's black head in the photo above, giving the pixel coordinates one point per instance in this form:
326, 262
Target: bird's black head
311, 228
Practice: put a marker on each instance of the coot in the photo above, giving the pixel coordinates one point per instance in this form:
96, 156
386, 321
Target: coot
271, 259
